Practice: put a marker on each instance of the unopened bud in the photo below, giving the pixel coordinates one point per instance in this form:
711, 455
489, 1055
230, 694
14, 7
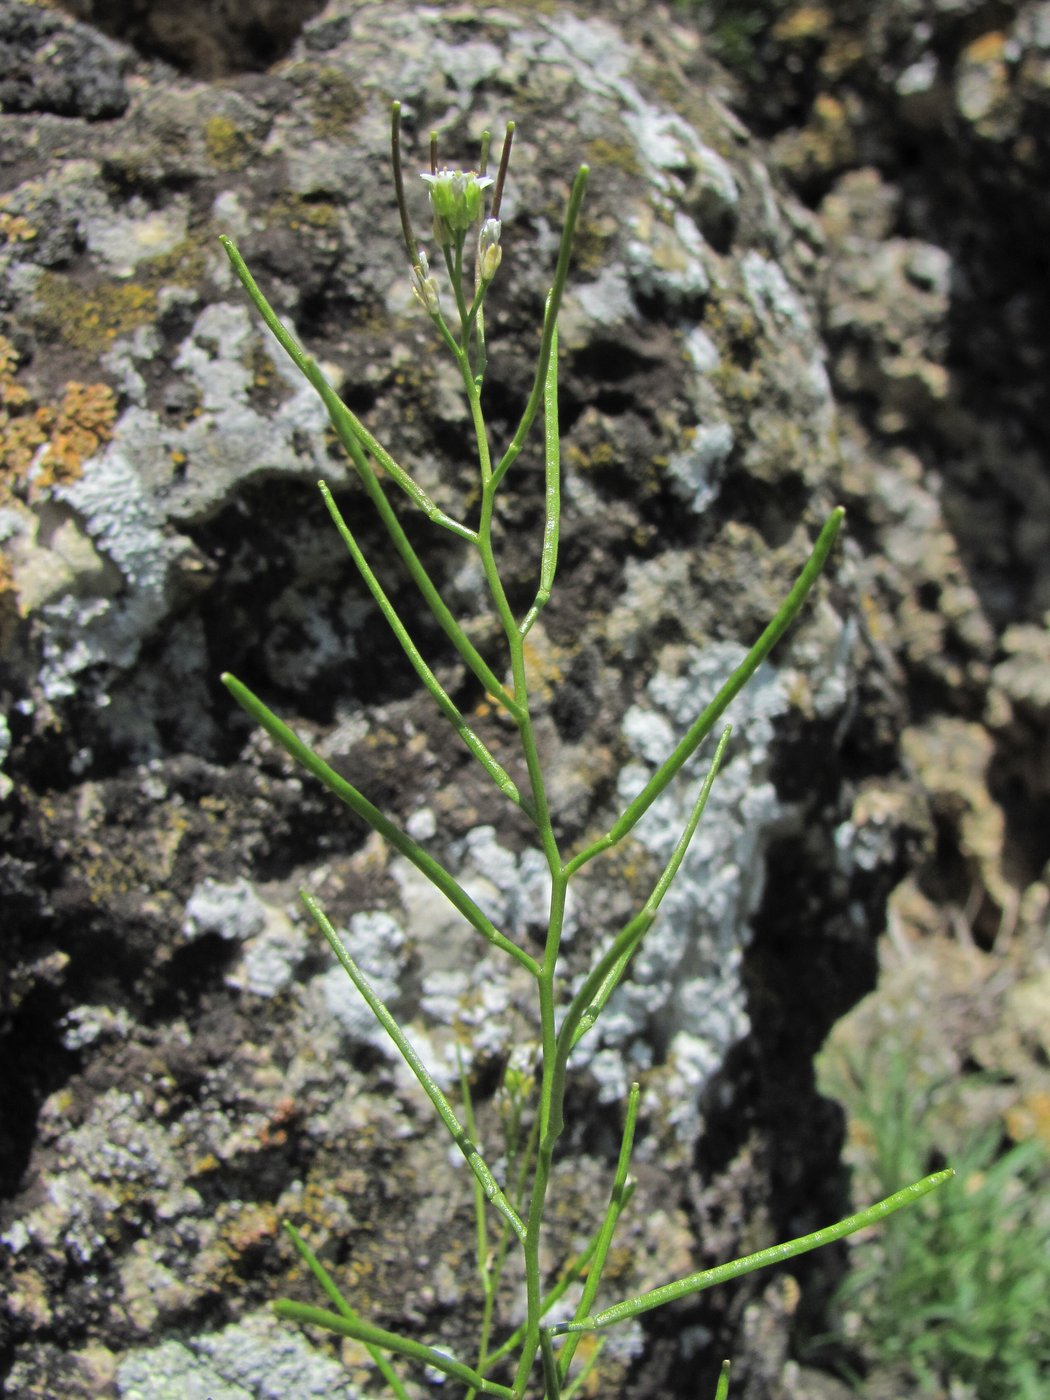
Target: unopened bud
424, 288
490, 254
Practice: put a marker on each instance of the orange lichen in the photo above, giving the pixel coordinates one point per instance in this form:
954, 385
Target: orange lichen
83, 422
23, 423
69, 431
275, 1132
16, 228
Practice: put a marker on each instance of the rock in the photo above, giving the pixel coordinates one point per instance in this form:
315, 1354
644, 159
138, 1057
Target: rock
50, 65
184, 1071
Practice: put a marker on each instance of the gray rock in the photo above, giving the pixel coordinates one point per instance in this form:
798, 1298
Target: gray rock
174, 1094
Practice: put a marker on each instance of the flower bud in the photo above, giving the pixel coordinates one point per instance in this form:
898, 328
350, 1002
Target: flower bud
424, 287
490, 254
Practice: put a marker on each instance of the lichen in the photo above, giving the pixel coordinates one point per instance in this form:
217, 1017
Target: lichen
604, 154
803, 25
228, 146
337, 102
295, 212
85, 318
183, 265
15, 228
255, 1357
69, 431
83, 422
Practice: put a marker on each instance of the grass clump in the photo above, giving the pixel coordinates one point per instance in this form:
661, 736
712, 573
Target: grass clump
954, 1299
516, 1224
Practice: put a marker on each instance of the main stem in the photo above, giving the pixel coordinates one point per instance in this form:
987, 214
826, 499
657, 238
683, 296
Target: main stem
550, 1112
551, 1118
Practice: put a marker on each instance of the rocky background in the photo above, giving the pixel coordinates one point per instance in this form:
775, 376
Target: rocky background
812, 268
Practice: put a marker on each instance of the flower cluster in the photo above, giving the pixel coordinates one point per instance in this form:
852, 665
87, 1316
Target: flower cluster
456, 198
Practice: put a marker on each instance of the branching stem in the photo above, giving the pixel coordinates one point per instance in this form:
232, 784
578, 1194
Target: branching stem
521, 1211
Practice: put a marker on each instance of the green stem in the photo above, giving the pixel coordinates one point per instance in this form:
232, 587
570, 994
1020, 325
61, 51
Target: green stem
357, 802
776, 1254
552, 512
617, 1199
461, 300
482, 1259
519, 677
343, 419
573, 1270
579, 1381
356, 440
722, 1391
477, 418
480, 667
326, 1281
519, 1161
390, 1341
710, 716
473, 1157
475, 326
442, 699
551, 1379
550, 321
526, 1159
551, 1118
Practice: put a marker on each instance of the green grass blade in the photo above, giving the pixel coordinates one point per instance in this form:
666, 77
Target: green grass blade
473, 1157
776, 1254
367, 811
390, 1341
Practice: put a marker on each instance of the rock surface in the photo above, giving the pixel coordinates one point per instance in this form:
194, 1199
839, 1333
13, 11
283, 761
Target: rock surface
756, 327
